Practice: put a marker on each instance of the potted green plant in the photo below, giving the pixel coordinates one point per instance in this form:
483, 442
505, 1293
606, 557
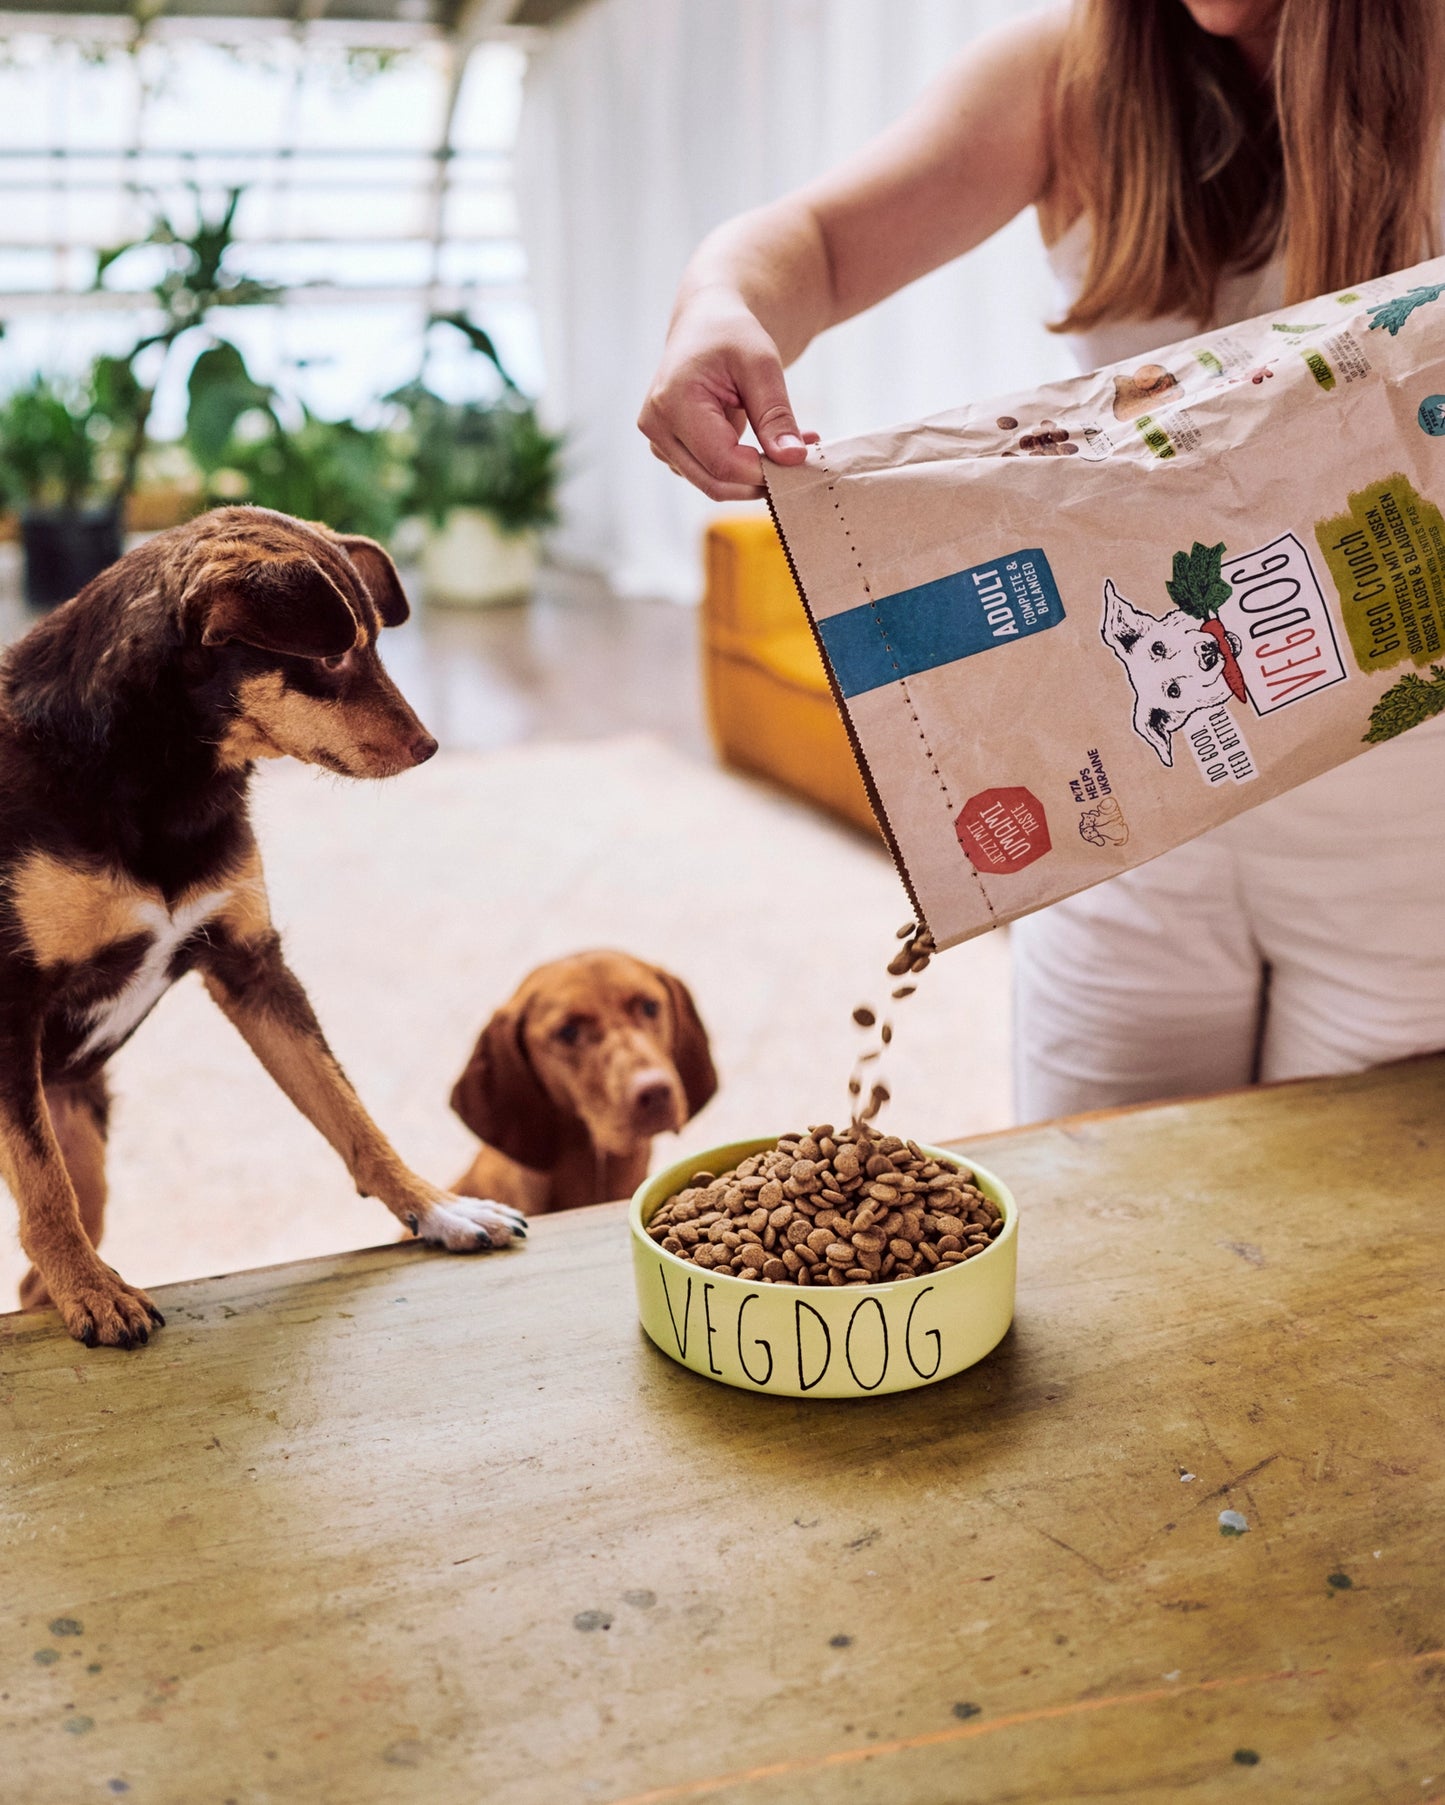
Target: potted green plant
331, 470
71, 456
483, 477
250, 445
51, 435
195, 285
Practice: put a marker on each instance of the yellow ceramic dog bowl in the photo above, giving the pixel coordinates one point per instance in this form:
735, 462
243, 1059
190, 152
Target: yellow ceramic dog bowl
821, 1342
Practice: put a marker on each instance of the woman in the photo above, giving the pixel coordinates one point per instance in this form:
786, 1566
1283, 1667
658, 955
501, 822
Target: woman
1192, 162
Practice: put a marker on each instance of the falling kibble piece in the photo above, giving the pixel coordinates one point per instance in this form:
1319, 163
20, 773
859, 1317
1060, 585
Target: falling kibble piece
877, 1098
909, 959
1233, 1523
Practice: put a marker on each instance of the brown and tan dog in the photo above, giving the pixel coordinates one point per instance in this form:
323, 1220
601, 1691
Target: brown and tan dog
129, 720
574, 1075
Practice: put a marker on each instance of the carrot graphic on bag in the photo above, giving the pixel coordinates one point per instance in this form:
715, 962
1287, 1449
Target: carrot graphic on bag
1199, 589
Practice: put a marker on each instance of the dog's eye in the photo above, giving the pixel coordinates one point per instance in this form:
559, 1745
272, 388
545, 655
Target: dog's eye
649, 1007
337, 663
1158, 648
570, 1032
1172, 691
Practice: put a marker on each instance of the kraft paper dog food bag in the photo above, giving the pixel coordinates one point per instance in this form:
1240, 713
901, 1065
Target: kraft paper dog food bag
1071, 629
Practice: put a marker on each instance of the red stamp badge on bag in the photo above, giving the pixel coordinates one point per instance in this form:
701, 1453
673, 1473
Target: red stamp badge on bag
1003, 830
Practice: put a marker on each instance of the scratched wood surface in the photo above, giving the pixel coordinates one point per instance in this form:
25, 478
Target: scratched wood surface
393, 1526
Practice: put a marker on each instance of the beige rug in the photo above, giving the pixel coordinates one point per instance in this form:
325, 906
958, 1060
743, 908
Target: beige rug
411, 908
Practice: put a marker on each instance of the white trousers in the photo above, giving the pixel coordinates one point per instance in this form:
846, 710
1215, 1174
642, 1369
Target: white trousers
1305, 937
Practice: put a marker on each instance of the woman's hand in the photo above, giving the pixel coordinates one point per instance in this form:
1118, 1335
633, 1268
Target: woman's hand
721, 373
968, 156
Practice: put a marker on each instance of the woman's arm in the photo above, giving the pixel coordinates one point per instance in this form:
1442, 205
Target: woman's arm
974, 151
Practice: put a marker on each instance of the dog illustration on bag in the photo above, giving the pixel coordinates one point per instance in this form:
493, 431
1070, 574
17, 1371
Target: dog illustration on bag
1180, 662
1105, 825
1139, 390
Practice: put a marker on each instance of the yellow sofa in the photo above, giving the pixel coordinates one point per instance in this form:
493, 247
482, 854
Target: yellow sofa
769, 705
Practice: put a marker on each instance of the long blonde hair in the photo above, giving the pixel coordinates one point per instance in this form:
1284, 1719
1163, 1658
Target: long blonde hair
1184, 166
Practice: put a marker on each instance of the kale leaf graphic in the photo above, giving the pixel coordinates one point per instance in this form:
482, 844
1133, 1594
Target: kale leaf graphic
1393, 314
1198, 586
1406, 704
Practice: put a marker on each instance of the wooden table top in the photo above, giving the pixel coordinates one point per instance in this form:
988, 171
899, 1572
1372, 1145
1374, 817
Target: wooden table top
397, 1526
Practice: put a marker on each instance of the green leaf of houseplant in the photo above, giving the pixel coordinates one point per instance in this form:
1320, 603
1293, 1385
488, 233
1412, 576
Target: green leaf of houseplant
221, 389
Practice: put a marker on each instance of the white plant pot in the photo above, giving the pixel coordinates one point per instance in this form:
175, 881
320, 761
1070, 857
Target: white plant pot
469, 562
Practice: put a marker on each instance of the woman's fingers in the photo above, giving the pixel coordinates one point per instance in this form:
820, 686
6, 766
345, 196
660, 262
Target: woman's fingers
707, 433
676, 456
720, 374
696, 420
733, 471
764, 393
705, 445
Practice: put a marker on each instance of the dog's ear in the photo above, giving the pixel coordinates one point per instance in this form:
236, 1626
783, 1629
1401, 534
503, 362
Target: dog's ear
1124, 624
1153, 723
286, 605
378, 573
691, 1053
501, 1099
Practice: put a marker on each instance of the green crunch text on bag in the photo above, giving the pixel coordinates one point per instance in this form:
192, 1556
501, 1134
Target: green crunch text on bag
1074, 628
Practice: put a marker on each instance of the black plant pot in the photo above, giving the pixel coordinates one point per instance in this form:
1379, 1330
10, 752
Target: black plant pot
64, 549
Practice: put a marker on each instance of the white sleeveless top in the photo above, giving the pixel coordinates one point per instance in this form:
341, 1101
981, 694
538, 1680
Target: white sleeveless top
1240, 298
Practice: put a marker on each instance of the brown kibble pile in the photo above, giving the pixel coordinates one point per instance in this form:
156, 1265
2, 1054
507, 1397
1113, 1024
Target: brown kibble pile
849, 1208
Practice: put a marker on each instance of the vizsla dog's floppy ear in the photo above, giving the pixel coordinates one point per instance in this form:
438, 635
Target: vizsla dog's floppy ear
691, 1053
378, 573
286, 605
501, 1099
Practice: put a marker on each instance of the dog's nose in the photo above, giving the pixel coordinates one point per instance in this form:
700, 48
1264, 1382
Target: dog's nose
654, 1103
421, 748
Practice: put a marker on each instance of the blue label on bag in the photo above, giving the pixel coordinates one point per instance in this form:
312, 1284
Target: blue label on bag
941, 622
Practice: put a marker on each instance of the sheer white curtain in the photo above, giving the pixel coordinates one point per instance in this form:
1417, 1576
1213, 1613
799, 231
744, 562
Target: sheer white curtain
645, 123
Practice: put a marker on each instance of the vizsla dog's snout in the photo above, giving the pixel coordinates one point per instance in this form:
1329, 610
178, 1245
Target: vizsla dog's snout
656, 1105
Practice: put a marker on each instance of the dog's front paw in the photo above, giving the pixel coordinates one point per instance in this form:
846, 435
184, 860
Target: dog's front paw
467, 1224
103, 1311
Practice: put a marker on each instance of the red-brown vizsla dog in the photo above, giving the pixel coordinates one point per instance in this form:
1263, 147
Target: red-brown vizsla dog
574, 1075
